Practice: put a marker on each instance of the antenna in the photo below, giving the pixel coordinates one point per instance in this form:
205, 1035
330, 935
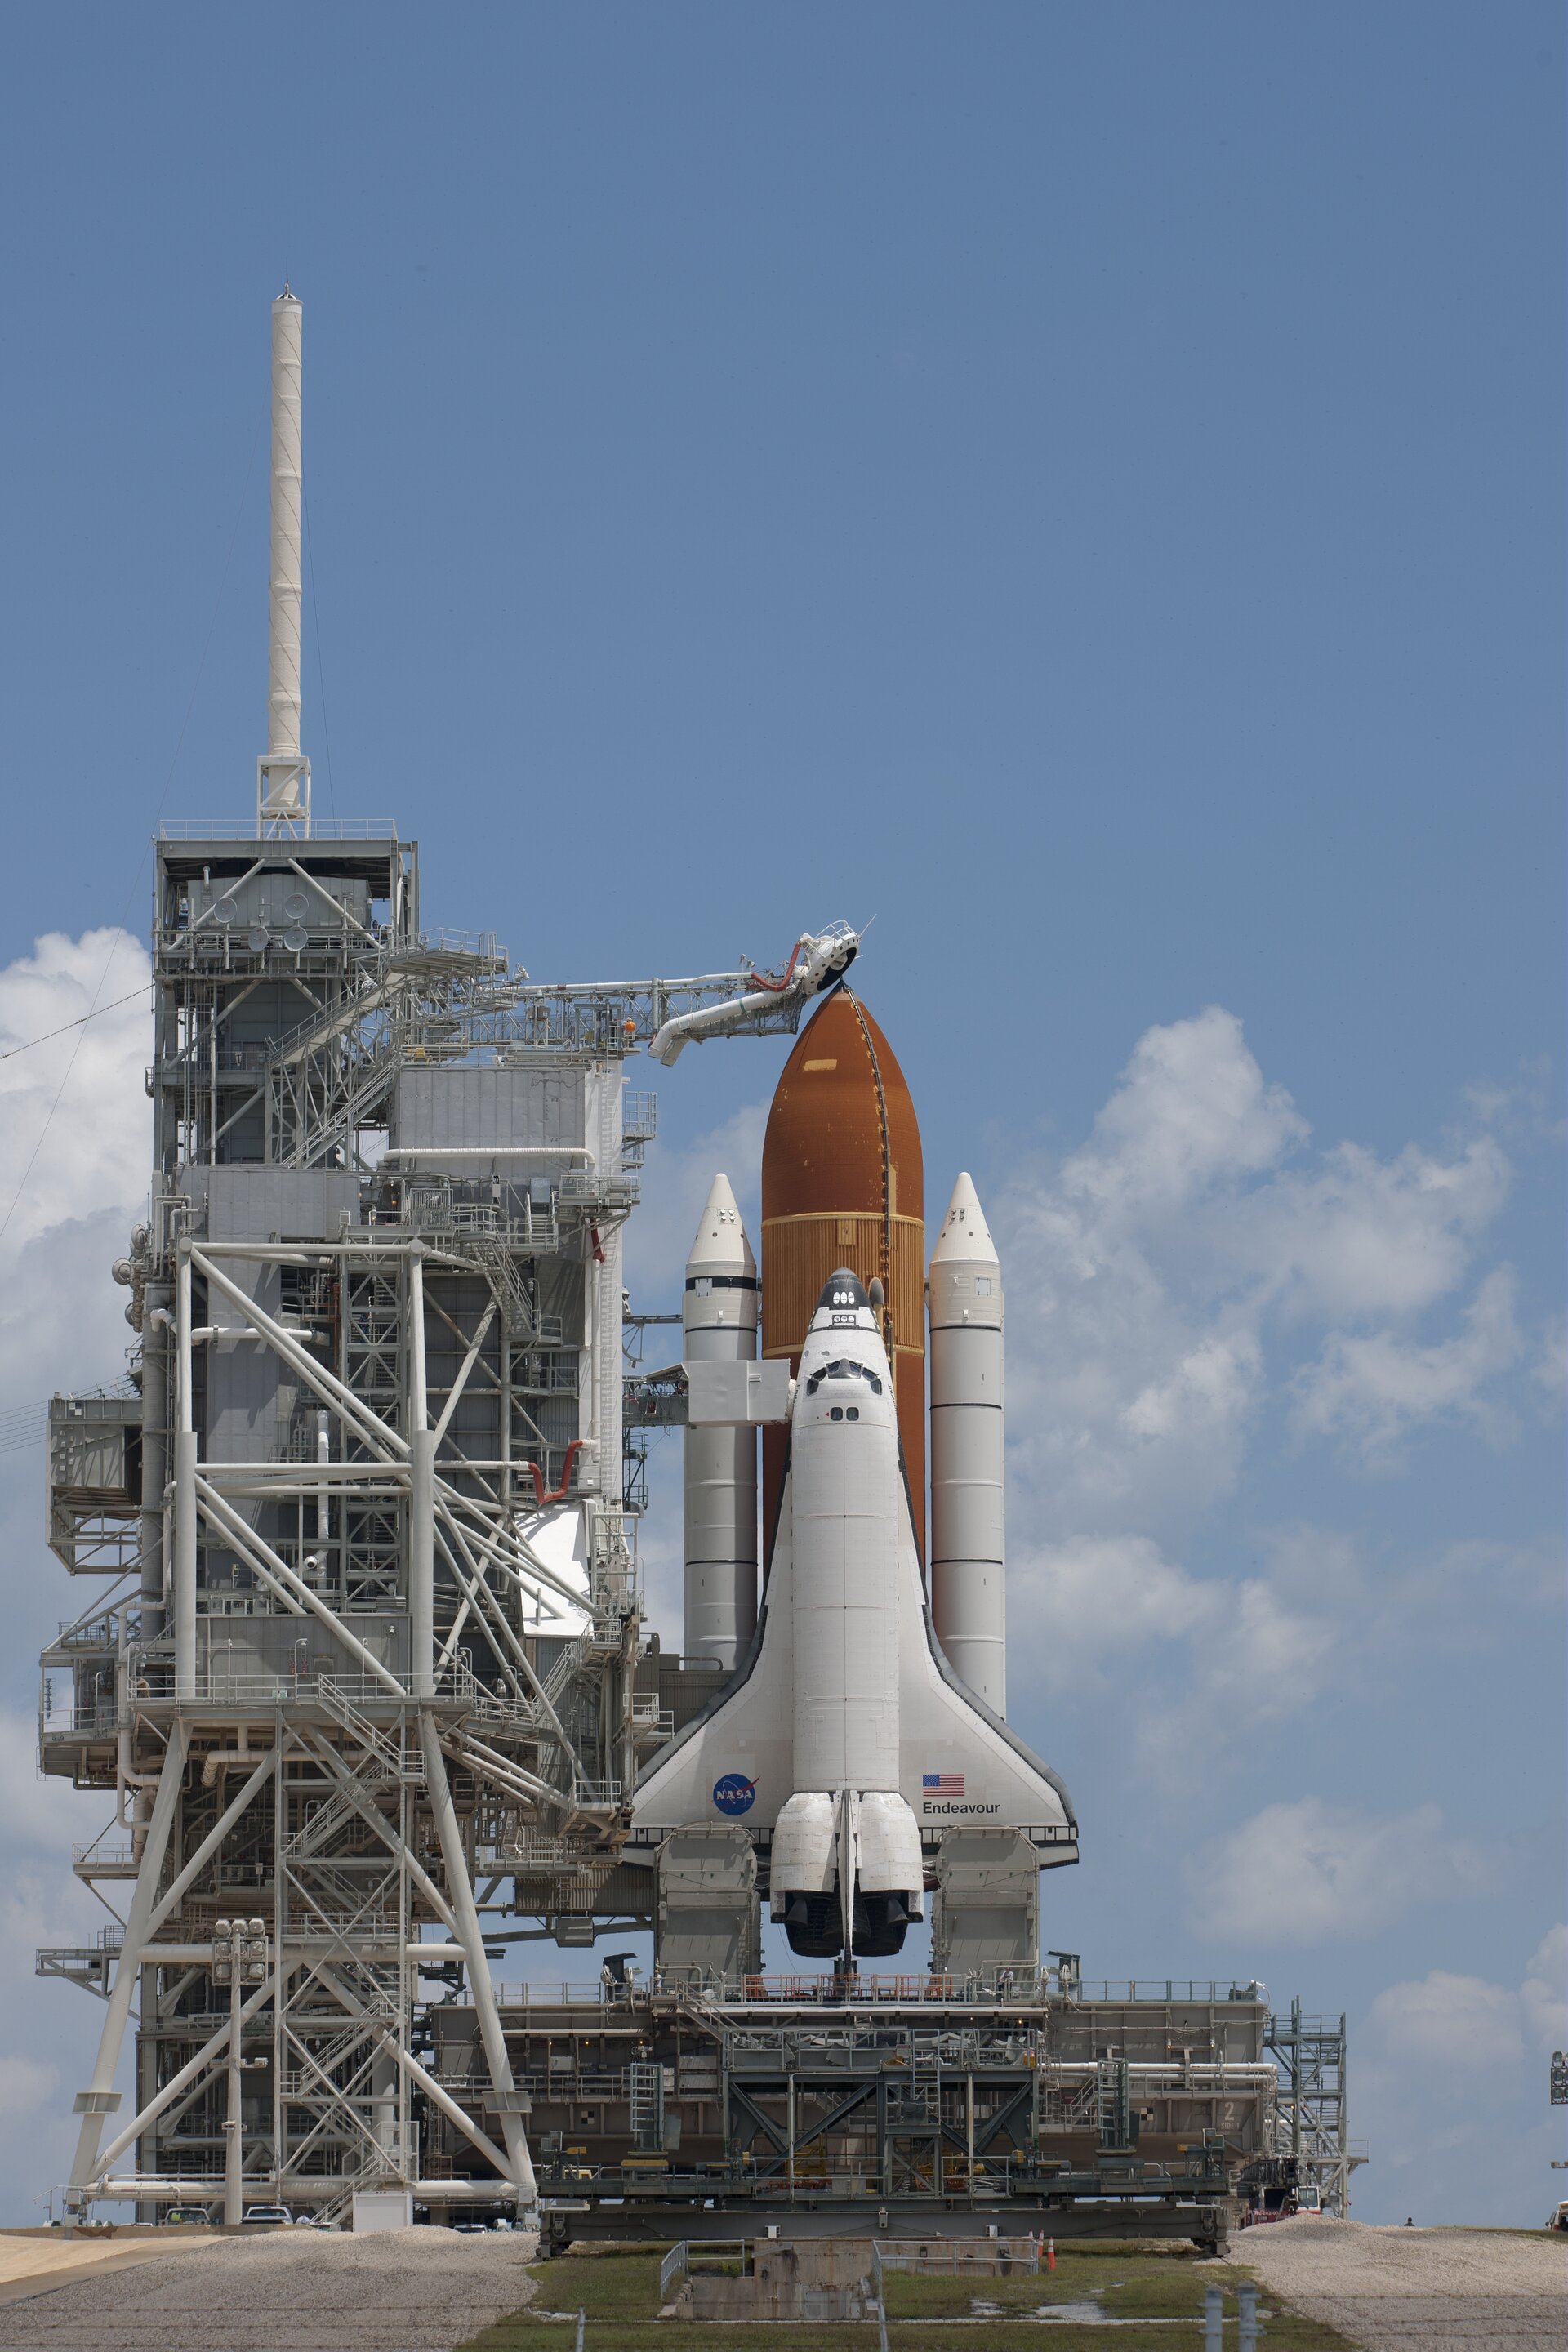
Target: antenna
283, 773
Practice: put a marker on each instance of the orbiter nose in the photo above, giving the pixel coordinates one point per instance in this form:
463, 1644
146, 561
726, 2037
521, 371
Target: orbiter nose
843, 1292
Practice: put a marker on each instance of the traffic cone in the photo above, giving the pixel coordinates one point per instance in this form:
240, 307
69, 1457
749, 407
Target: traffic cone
1050, 2253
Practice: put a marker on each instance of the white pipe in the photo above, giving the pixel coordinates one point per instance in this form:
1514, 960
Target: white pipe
185, 2187
376, 1820
137, 1926
470, 1361
170, 2090
815, 963
465, 1923
488, 1151
448, 2107
231, 1524
191, 1870
328, 1388
185, 1495
239, 1533
217, 1758
421, 1499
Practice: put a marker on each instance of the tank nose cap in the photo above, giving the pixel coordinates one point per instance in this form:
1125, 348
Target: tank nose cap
843, 1289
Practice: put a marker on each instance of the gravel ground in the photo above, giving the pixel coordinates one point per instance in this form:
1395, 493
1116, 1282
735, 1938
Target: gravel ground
1396, 2290
420, 2289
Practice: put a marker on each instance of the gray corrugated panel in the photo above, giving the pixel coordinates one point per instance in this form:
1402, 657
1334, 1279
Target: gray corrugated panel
477, 1110
250, 1204
242, 1647
561, 1297
243, 1376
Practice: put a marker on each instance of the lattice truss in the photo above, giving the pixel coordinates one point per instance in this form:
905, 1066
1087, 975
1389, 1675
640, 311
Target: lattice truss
374, 1636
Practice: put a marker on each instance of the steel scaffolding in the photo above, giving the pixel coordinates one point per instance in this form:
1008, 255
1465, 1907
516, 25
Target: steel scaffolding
1311, 2116
366, 1670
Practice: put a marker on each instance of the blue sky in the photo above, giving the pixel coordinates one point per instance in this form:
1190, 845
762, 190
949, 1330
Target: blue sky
1082, 486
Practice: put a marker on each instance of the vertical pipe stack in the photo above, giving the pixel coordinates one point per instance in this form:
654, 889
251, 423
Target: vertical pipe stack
719, 1324
969, 1606
285, 773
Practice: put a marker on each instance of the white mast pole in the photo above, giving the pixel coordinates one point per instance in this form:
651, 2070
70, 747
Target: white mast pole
283, 774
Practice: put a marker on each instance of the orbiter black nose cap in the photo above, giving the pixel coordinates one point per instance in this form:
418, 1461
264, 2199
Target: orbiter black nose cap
843, 1289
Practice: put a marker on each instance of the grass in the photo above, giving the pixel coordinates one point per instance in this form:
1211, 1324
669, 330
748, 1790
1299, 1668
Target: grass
618, 2289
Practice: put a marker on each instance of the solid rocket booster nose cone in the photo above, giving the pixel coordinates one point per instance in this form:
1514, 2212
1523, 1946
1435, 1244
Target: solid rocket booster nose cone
965, 1232
720, 1245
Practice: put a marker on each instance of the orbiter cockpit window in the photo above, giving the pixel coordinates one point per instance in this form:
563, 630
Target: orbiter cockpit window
841, 1369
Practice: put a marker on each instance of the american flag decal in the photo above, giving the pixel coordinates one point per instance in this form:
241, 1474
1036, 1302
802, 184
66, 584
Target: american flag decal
942, 1784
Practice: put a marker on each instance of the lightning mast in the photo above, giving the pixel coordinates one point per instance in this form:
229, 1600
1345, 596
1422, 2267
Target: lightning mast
283, 772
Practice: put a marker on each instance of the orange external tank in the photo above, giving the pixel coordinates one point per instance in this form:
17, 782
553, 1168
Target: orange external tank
843, 1184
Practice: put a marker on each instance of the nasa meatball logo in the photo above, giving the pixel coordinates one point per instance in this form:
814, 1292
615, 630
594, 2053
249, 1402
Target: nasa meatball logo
734, 1794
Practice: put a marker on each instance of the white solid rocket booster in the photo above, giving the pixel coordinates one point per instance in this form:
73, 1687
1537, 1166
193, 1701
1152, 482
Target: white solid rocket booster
719, 1323
968, 1604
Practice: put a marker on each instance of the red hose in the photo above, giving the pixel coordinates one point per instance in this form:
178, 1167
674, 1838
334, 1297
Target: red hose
559, 1496
777, 987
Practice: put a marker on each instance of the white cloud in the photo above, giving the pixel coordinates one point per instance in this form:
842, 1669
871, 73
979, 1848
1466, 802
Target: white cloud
25, 2086
1448, 2022
1550, 1371
1302, 1871
675, 1186
44, 1816
1543, 1995
1081, 1610
1478, 2156
92, 1149
1365, 1237
1192, 1110
1162, 1283
1370, 1391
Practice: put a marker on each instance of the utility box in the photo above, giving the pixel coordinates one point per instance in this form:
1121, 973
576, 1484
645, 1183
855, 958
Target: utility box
383, 2208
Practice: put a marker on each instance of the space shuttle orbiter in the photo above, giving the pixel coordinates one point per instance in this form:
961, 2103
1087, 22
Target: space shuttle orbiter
848, 1743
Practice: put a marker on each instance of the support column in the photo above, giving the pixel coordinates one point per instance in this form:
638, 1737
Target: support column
421, 1498
98, 2100
465, 1913
422, 1565
184, 1511
232, 2151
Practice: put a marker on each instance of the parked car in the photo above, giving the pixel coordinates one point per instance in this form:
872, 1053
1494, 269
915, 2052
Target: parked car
187, 2214
278, 2215
1558, 2218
